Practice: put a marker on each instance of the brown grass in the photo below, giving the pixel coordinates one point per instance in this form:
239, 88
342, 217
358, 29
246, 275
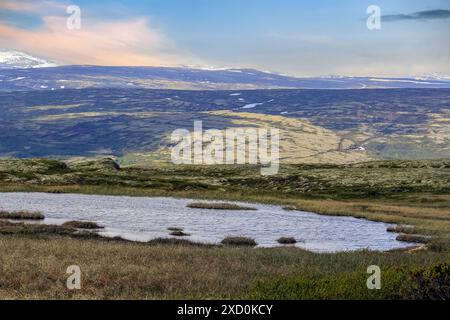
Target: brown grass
239, 241
179, 233
218, 206
175, 229
21, 215
39, 231
417, 238
35, 268
82, 225
400, 229
287, 240
57, 191
10, 228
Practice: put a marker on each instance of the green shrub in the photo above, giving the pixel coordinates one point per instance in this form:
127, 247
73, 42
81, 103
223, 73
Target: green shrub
429, 284
343, 286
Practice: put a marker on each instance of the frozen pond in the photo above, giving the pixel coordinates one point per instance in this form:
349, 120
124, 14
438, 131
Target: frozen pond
145, 218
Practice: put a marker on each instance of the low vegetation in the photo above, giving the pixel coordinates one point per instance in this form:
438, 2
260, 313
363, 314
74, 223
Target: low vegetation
239, 241
430, 283
34, 267
218, 206
175, 229
418, 238
179, 233
21, 215
178, 242
20, 228
287, 240
82, 225
400, 229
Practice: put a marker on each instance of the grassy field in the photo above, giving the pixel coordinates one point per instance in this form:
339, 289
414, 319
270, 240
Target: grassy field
33, 261
34, 267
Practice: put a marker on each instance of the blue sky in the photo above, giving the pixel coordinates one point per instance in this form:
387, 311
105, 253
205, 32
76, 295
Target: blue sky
302, 38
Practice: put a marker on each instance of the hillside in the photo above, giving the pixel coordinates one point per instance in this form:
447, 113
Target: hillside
344, 126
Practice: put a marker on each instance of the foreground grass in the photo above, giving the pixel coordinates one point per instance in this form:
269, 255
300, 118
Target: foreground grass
35, 268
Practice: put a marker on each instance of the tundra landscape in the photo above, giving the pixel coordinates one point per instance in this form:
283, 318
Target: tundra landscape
126, 176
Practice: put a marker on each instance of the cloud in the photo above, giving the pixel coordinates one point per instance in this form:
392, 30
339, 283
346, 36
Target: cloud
420, 15
131, 42
31, 6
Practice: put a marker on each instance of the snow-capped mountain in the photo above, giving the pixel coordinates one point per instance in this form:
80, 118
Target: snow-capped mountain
435, 76
10, 59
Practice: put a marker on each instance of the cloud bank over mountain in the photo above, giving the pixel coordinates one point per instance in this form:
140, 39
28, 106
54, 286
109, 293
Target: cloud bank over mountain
132, 41
421, 15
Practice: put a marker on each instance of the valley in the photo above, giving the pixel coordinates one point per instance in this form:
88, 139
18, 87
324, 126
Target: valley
318, 126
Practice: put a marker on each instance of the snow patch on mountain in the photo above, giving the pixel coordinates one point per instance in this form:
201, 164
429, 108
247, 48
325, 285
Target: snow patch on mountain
10, 59
401, 80
434, 76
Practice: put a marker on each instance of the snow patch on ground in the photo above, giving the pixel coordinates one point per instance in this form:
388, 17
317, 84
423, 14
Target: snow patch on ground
253, 105
17, 79
401, 80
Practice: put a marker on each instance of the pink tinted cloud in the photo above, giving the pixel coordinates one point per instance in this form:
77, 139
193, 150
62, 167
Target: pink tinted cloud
132, 42
30, 5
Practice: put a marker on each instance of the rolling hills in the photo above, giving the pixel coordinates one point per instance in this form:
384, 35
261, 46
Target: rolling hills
345, 126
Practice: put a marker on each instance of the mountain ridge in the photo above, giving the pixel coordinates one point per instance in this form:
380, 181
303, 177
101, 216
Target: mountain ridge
21, 71
86, 76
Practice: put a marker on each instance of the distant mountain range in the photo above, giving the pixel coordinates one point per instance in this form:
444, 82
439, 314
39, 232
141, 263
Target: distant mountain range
20, 71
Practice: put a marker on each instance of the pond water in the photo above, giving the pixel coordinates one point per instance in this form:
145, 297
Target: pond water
145, 218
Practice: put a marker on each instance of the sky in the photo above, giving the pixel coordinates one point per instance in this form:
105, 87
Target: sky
294, 37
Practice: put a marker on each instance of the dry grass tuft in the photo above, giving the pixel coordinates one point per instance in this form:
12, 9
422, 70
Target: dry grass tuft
400, 229
287, 240
175, 229
179, 233
21, 215
82, 225
417, 238
56, 191
239, 241
179, 242
218, 206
